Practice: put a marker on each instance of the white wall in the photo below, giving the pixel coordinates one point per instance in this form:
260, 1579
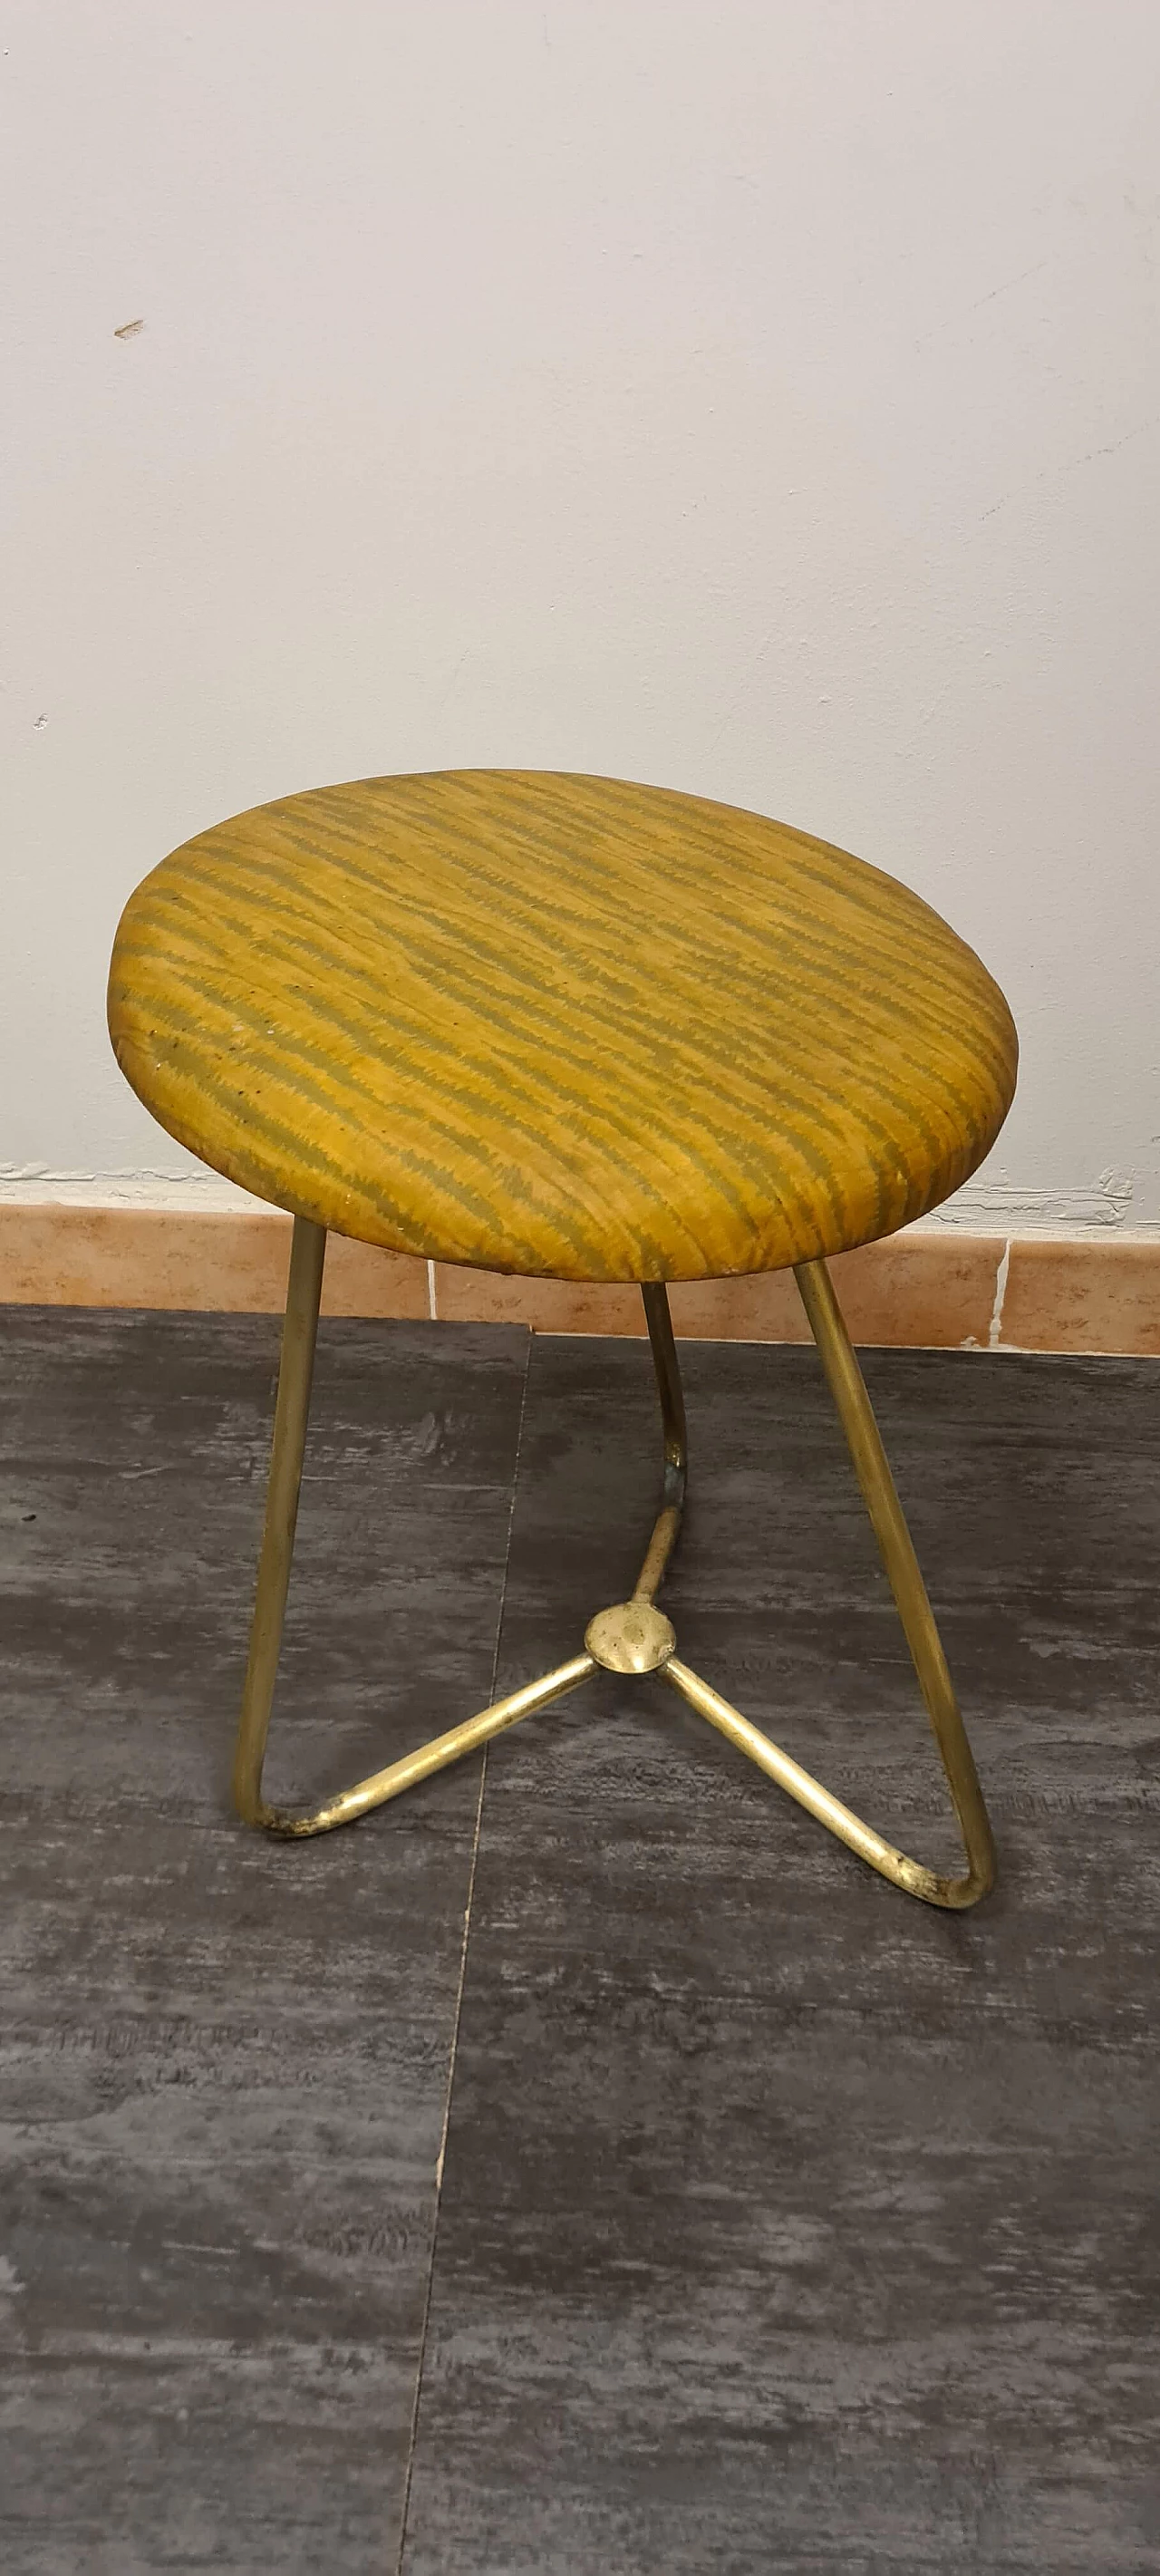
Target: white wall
760, 396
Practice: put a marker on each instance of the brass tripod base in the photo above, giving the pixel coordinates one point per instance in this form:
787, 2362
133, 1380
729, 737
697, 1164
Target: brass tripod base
633, 1636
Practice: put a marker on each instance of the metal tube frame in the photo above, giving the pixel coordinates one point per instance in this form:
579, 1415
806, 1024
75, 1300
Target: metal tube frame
633, 1636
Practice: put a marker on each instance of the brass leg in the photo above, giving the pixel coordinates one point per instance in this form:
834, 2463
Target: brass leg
291, 1413
634, 1636
293, 1406
922, 1637
667, 1528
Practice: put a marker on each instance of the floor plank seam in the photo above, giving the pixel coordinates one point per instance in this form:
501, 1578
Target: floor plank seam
458, 2014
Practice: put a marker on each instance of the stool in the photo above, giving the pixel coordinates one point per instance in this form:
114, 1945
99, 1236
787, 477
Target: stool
569, 1028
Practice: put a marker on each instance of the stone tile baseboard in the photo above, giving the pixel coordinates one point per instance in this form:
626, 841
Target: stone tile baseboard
941, 1290
201, 1259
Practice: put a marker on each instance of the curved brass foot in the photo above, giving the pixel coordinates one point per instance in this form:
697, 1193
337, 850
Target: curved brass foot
872, 1469
295, 1376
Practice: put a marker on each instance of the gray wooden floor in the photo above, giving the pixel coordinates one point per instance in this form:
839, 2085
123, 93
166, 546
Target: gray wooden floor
717, 2208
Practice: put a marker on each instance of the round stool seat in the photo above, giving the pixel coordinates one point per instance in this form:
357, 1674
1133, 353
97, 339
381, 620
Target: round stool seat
561, 1026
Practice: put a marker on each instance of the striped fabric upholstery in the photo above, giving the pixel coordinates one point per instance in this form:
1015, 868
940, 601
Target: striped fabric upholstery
557, 1025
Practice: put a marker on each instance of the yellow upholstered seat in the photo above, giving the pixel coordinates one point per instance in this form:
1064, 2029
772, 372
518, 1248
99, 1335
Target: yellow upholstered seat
559, 1025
